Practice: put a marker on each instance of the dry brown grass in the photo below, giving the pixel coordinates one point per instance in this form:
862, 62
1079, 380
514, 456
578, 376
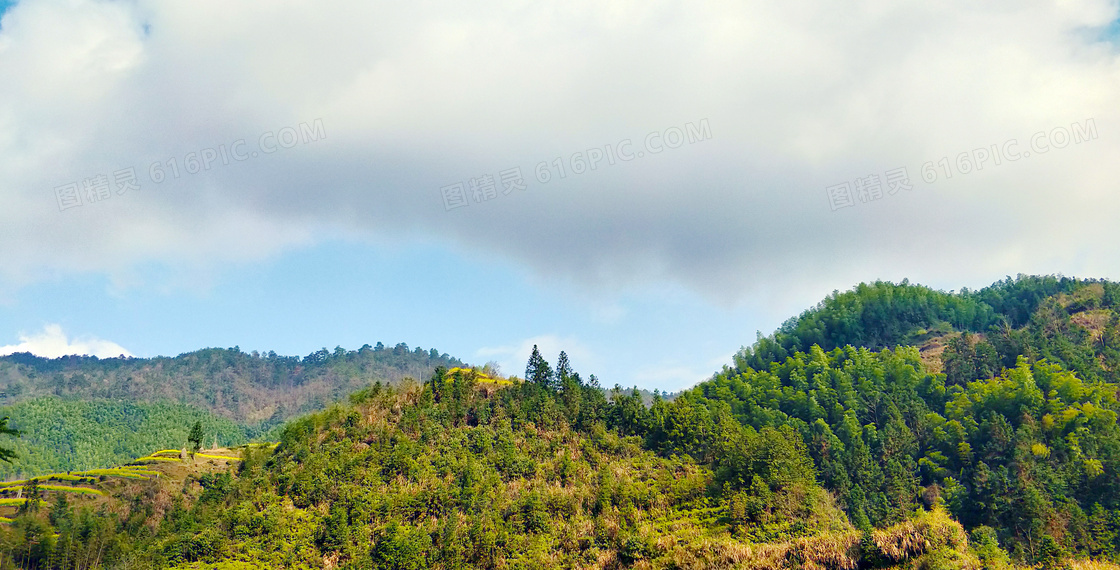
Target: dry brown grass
1093, 565
833, 551
930, 352
929, 540
1094, 321
920, 535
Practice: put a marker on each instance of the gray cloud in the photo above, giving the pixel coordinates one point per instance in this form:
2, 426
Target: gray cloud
799, 96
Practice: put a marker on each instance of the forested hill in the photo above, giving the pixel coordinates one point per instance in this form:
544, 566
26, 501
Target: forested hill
467, 471
890, 426
1042, 316
74, 435
248, 388
999, 403
83, 412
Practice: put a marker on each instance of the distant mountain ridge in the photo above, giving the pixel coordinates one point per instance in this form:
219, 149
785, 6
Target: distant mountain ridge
248, 388
84, 412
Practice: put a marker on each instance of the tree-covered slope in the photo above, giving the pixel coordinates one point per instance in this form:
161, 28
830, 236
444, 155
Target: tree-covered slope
1033, 453
63, 435
1013, 425
834, 443
883, 315
85, 412
249, 389
456, 473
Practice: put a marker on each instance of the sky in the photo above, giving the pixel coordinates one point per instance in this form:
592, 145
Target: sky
645, 185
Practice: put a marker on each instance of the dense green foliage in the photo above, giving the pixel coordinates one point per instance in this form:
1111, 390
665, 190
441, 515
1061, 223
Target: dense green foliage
1018, 431
1080, 330
458, 474
1032, 452
1016, 300
884, 315
64, 435
194, 438
876, 315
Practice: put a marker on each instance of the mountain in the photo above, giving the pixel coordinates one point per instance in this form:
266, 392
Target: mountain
82, 412
1005, 411
892, 425
882, 314
463, 473
246, 388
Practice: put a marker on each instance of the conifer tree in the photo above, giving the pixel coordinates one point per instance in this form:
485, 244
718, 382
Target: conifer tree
538, 371
563, 369
195, 438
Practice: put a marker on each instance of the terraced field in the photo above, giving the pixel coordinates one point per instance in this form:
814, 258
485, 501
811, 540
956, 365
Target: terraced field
96, 486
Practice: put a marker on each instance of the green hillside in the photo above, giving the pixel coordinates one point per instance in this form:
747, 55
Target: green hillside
63, 435
1006, 408
890, 426
87, 412
460, 474
883, 315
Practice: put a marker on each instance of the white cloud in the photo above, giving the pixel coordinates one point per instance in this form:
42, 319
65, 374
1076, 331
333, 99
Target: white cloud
52, 342
799, 95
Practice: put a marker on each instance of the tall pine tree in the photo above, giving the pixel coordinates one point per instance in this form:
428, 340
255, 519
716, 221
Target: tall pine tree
563, 370
538, 371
